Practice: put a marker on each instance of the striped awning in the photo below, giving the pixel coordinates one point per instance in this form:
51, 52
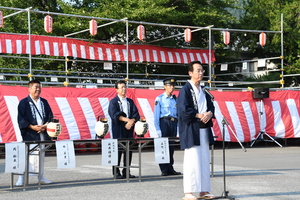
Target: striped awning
59, 46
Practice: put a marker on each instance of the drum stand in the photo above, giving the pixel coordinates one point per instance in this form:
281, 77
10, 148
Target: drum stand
261, 134
225, 193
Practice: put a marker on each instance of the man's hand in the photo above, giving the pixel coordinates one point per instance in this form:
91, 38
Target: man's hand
38, 128
206, 117
130, 123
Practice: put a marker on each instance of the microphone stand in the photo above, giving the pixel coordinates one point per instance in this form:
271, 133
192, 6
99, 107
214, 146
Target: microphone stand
225, 122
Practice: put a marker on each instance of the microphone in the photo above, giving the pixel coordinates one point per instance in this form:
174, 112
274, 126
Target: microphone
207, 92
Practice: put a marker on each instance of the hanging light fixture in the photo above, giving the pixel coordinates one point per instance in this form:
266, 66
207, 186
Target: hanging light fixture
48, 24
188, 35
1, 19
93, 27
141, 32
226, 37
262, 39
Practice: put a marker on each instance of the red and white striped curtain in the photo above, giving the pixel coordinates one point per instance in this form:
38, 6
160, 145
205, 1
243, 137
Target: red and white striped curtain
58, 46
78, 108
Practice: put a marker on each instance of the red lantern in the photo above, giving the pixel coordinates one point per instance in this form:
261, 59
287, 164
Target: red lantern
48, 23
1, 19
93, 27
188, 35
226, 37
262, 39
141, 32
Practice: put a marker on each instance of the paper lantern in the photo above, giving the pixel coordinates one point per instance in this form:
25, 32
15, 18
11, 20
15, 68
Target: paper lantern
226, 37
262, 39
188, 35
48, 23
141, 128
54, 128
141, 32
93, 27
1, 19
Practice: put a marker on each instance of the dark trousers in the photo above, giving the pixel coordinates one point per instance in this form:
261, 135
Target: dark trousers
168, 129
124, 161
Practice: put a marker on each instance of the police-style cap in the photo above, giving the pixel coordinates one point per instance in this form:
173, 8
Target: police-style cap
171, 81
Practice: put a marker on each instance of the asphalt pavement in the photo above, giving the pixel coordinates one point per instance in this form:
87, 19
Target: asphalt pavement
265, 171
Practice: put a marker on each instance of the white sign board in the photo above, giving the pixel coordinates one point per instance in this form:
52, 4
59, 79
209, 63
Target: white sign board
224, 67
15, 157
109, 152
261, 63
245, 64
65, 154
161, 149
107, 66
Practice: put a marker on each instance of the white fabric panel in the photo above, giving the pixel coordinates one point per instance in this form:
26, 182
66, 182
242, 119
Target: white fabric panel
148, 114
69, 118
47, 47
178, 57
250, 119
37, 47
18, 46
74, 51
8, 46
55, 48
132, 55
219, 118
65, 49
125, 54
100, 53
108, 54
236, 126
82, 51
278, 123
295, 116
170, 57
155, 56
192, 56
92, 54
88, 114
185, 59
147, 55
199, 57
117, 53
163, 57
141, 58
12, 103
27, 47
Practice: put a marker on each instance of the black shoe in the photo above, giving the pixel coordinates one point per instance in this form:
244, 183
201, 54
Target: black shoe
164, 174
130, 176
119, 176
174, 173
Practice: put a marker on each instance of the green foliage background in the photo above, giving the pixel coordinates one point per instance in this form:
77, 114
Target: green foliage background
232, 14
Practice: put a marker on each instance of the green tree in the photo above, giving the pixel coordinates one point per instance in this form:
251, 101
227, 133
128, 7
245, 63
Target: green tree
198, 13
266, 15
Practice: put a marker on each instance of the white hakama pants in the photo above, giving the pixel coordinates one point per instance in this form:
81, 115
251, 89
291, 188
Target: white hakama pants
34, 158
196, 161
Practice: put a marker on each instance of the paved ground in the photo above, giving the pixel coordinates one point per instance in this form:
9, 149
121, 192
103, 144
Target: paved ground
265, 172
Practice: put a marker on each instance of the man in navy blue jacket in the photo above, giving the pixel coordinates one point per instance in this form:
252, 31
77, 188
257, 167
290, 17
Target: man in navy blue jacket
123, 114
34, 113
195, 113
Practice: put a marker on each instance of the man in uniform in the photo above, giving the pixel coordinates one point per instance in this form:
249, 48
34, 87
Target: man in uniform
165, 120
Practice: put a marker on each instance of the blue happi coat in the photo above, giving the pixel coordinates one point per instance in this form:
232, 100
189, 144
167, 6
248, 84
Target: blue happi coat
188, 124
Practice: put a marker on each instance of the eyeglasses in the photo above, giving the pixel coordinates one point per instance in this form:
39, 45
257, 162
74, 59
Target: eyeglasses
200, 71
